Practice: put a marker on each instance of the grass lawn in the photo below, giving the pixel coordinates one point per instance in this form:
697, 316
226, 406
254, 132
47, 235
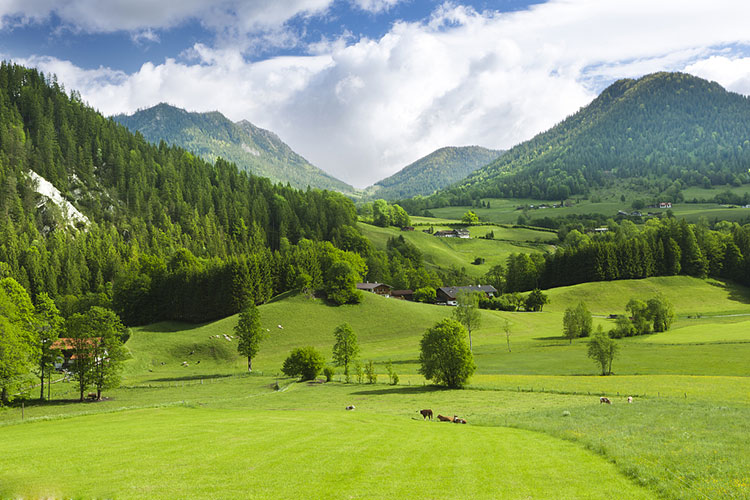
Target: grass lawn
459, 252
536, 428
210, 453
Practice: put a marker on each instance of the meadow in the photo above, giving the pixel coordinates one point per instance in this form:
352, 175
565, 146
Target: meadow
461, 253
536, 428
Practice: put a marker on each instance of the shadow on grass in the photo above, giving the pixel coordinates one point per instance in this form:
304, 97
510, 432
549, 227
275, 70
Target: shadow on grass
172, 326
415, 389
188, 377
737, 293
35, 403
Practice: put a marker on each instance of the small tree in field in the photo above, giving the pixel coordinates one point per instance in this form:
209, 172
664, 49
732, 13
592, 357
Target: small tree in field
444, 356
303, 362
372, 377
467, 311
346, 349
577, 322
250, 334
603, 350
535, 301
506, 329
661, 312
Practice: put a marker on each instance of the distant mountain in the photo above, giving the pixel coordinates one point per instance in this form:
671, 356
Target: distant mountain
212, 135
437, 170
661, 133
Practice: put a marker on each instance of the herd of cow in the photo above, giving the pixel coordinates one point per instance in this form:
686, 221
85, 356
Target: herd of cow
428, 414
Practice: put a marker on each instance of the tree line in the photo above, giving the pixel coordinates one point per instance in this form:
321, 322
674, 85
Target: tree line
662, 247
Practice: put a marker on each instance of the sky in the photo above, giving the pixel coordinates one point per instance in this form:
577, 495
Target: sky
362, 88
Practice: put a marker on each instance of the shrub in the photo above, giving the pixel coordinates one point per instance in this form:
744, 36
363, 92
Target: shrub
359, 372
303, 362
392, 376
328, 372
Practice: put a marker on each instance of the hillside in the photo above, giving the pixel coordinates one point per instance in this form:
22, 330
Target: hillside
661, 133
435, 171
212, 135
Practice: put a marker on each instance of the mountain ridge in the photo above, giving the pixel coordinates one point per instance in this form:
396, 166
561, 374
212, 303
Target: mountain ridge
670, 130
212, 135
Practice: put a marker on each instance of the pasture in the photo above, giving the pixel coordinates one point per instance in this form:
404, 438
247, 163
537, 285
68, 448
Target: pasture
536, 428
458, 252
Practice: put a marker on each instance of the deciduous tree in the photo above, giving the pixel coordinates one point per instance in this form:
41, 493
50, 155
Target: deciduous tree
250, 334
444, 357
602, 350
467, 311
345, 349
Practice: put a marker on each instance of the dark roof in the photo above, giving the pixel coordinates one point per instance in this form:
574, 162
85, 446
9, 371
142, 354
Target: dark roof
452, 291
370, 286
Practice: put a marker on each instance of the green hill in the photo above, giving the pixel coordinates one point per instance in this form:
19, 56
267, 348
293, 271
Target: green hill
435, 171
660, 133
212, 135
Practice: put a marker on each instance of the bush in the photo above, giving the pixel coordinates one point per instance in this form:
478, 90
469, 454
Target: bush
426, 294
359, 372
392, 376
303, 362
328, 372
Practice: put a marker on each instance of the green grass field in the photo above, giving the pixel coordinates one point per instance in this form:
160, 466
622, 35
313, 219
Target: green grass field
536, 428
504, 211
458, 252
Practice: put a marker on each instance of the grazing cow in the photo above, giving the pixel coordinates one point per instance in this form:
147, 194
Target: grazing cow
350, 407
630, 399
426, 414
445, 419
604, 400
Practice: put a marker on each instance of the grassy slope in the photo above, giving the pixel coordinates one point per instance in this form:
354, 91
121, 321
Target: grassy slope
458, 252
666, 441
503, 211
299, 455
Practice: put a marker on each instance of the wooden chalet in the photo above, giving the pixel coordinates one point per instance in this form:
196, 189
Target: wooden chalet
376, 288
403, 294
449, 294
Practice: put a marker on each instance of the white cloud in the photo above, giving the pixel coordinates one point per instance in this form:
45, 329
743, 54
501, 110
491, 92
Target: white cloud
732, 73
375, 6
362, 109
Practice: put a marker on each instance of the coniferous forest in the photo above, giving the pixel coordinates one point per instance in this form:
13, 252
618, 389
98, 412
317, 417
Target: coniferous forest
169, 236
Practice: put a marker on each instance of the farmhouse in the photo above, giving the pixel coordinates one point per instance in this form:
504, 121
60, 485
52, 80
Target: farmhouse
667, 204
453, 233
407, 228
67, 349
376, 288
403, 294
449, 294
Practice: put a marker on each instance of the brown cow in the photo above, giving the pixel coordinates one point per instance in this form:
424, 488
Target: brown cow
445, 419
604, 400
457, 420
425, 414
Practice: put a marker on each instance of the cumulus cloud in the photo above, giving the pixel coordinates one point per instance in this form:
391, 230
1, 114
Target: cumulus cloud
374, 6
363, 108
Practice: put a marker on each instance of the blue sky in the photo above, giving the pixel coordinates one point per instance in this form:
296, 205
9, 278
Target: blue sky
363, 87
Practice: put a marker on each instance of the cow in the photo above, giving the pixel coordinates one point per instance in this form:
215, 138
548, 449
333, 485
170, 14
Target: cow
630, 399
425, 414
457, 420
445, 419
350, 407
604, 400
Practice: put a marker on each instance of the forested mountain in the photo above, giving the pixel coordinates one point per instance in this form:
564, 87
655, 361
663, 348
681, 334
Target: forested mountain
664, 130
212, 136
161, 233
435, 171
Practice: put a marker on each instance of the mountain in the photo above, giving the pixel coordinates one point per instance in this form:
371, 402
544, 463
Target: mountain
212, 135
660, 133
437, 170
